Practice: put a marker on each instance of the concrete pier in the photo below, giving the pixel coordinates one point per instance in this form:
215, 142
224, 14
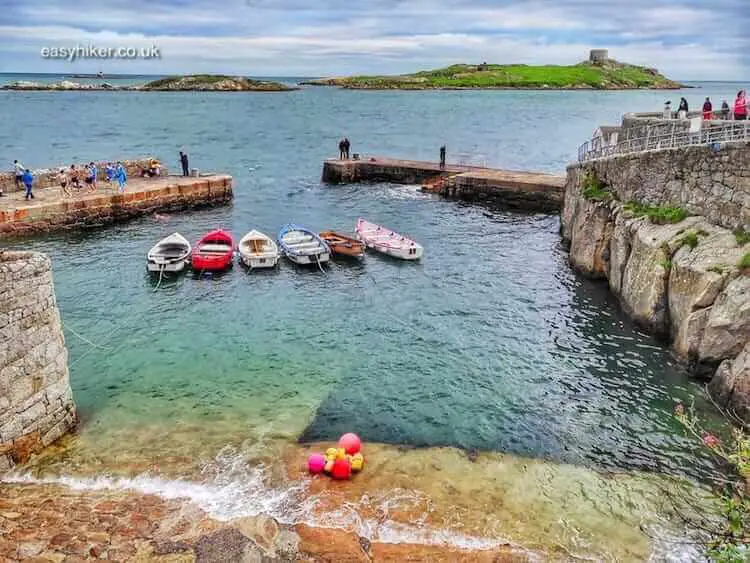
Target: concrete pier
529, 191
51, 210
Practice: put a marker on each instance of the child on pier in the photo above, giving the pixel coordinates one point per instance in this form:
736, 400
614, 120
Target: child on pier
109, 171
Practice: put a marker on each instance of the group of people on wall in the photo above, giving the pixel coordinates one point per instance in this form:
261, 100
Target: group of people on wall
88, 176
738, 111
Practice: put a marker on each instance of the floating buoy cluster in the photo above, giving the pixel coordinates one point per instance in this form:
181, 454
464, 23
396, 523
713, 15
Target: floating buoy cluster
339, 462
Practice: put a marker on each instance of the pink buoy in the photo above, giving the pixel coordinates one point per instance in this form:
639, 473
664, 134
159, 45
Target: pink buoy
316, 463
351, 443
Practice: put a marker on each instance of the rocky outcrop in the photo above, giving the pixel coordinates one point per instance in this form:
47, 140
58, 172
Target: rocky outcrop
214, 83
680, 280
36, 403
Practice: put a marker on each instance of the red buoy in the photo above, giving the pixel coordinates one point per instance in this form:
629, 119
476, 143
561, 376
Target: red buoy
342, 469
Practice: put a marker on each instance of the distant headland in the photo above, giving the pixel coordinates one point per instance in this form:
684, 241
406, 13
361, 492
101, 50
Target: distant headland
182, 83
599, 72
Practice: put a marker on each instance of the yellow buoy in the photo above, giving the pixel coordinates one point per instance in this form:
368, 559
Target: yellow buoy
331, 452
341, 453
358, 462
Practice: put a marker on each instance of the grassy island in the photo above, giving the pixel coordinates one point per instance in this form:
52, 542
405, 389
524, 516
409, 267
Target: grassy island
214, 82
608, 75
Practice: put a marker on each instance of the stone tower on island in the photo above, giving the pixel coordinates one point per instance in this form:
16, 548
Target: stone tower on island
598, 56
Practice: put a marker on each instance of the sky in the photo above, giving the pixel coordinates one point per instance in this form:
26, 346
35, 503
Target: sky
685, 39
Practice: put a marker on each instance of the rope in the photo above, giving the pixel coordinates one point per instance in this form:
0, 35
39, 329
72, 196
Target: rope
161, 275
86, 340
317, 258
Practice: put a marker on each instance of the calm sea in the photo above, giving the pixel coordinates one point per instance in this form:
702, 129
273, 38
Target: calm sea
210, 387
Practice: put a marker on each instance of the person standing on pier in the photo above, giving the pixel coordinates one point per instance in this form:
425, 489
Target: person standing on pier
18, 169
740, 106
342, 153
347, 146
28, 181
708, 109
725, 110
442, 156
121, 176
91, 176
184, 163
682, 110
109, 172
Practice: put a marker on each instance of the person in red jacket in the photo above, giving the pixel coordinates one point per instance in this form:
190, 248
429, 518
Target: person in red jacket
707, 110
740, 106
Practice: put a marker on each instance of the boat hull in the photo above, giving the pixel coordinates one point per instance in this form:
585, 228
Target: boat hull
211, 263
401, 254
256, 262
342, 245
214, 252
385, 241
305, 259
172, 267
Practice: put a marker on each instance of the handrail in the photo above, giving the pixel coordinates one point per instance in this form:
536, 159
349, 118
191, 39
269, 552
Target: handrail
724, 132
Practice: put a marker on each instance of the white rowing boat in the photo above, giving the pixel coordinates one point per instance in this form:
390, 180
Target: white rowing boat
170, 254
388, 242
258, 250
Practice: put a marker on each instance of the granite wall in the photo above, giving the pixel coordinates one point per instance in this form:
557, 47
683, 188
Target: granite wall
703, 180
36, 403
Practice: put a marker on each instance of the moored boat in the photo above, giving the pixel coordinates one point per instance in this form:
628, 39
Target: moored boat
213, 252
170, 254
303, 246
258, 250
388, 242
343, 244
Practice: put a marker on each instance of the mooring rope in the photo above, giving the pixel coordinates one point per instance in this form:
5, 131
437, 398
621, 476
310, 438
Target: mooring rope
86, 340
317, 257
161, 275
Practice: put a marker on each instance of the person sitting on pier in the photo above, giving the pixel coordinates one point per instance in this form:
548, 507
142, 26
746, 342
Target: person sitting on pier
154, 169
28, 181
62, 179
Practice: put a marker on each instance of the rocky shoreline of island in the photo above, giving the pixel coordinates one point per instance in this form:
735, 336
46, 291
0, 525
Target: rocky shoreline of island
186, 83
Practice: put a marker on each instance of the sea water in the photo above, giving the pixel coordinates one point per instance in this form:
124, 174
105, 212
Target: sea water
501, 396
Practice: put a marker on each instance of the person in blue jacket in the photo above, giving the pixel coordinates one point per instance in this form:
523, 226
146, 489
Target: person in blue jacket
28, 181
110, 172
121, 176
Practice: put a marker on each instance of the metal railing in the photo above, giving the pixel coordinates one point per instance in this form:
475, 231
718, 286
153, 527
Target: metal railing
710, 134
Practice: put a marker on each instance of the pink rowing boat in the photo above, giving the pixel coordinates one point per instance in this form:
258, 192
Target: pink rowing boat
388, 242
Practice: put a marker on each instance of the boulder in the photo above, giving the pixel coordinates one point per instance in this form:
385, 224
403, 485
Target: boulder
591, 232
730, 385
697, 278
645, 277
728, 324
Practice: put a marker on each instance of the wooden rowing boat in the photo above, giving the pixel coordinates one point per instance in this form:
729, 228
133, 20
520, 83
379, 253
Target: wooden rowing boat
343, 244
388, 242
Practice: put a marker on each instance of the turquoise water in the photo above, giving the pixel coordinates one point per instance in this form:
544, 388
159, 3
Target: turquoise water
491, 343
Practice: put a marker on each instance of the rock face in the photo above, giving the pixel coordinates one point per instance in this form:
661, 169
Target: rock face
681, 281
36, 403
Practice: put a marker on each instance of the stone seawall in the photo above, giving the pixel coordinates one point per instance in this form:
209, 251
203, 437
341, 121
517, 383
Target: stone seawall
50, 211
47, 177
36, 403
702, 180
682, 281
528, 191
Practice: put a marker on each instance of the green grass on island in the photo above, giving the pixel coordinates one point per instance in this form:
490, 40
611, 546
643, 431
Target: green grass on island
215, 82
609, 75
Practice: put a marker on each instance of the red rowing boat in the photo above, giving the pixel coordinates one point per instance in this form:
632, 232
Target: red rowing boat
214, 251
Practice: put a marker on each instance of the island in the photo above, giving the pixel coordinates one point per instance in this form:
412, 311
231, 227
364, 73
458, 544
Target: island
183, 83
597, 73
214, 82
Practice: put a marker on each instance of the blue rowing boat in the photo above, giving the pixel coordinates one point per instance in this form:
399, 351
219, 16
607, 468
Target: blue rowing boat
303, 246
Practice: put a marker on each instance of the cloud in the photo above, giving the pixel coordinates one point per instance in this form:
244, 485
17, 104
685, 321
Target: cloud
686, 39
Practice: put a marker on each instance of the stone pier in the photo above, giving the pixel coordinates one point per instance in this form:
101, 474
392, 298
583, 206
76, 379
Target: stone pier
36, 403
528, 191
53, 210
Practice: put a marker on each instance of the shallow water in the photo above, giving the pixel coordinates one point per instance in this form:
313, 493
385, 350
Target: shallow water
491, 343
